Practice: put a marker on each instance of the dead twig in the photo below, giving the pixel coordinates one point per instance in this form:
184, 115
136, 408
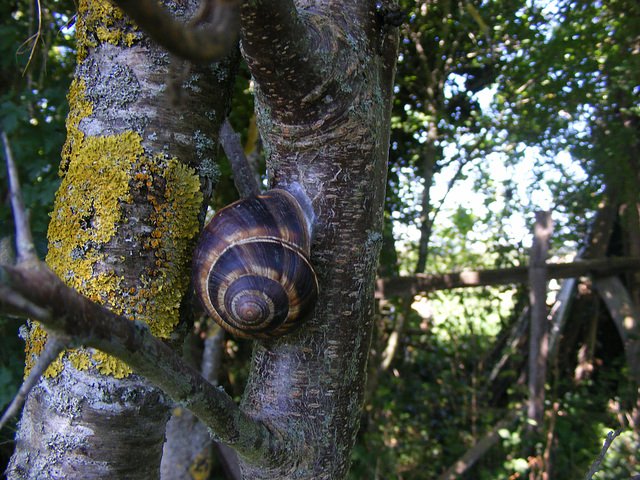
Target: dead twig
24, 242
51, 351
607, 443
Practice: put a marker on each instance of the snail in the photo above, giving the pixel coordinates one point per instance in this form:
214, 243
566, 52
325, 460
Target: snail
251, 266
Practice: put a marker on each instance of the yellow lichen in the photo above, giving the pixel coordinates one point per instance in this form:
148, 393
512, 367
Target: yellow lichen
55, 368
99, 176
88, 209
201, 466
79, 359
157, 298
87, 215
108, 365
33, 347
171, 241
99, 21
79, 109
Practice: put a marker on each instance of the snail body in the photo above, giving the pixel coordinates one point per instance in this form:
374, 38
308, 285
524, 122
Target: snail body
251, 266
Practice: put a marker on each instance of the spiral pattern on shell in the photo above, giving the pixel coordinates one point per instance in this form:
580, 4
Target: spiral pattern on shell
251, 266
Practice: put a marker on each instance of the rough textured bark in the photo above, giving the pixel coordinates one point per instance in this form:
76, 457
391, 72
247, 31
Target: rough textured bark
323, 89
126, 218
92, 428
127, 213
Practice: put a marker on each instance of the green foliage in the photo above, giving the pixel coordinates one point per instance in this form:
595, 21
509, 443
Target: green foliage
33, 106
570, 82
424, 409
561, 126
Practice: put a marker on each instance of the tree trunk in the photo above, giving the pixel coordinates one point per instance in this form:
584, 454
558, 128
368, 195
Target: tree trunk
539, 326
323, 88
127, 214
125, 221
626, 316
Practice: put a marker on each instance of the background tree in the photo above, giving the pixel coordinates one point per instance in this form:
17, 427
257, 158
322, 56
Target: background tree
524, 167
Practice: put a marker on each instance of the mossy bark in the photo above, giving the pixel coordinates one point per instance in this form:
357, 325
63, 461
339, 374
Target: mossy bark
138, 161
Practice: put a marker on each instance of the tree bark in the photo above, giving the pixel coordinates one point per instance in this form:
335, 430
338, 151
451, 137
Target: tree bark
539, 326
323, 88
126, 217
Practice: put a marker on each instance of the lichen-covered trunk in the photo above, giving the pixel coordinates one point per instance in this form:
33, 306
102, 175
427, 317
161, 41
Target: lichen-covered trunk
323, 95
138, 159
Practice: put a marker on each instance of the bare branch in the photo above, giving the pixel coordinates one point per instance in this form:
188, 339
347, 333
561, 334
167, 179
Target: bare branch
243, 174
11, 303
596, 463
33, 39
471, 456
206, 39
213, 348
87, 323
51, 350
24, 242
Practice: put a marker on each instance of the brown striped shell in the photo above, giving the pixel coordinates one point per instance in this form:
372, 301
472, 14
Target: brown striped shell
251, 266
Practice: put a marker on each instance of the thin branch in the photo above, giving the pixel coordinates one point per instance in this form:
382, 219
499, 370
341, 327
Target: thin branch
87, 323
11, 303
208, 38
24, 242
51, 350
35, 37
473, 454
452, 181
243, 175
607, 443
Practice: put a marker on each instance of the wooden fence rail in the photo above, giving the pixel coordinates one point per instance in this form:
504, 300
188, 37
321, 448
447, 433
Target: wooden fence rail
421, 284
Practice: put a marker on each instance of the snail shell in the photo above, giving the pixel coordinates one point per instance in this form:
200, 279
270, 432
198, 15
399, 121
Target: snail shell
251, 265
